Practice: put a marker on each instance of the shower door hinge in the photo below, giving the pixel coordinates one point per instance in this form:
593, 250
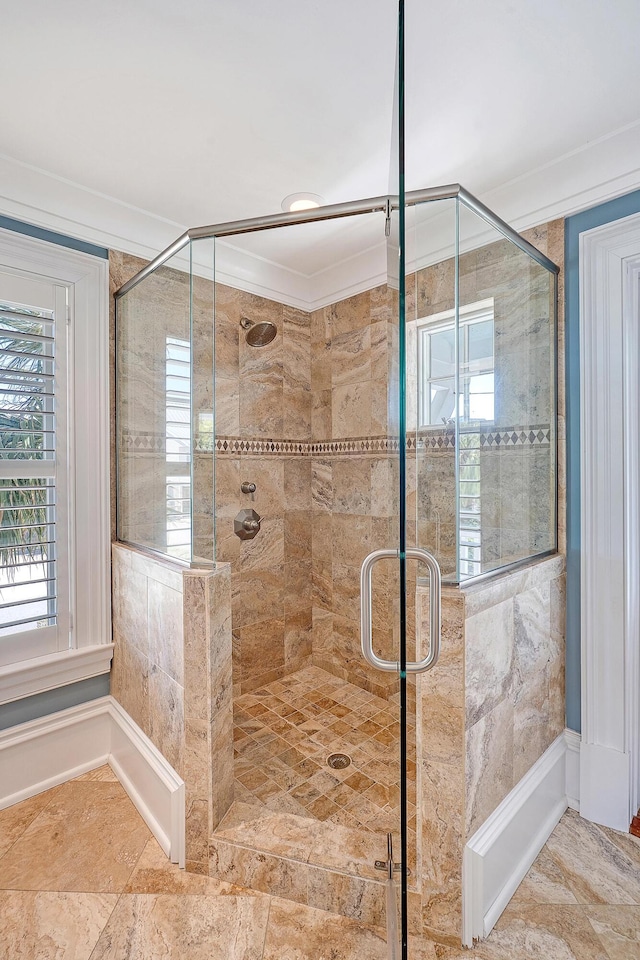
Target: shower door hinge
387, 222
389, 866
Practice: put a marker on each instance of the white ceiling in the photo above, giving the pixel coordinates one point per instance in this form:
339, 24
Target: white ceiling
125, 122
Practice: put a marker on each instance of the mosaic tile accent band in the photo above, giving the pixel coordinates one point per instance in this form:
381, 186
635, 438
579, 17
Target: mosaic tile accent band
536, 435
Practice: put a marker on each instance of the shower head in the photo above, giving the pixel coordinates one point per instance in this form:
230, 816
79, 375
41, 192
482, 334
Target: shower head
258, 334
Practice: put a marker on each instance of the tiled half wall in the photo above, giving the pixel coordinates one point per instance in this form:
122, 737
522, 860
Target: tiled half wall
172, 674
489, 711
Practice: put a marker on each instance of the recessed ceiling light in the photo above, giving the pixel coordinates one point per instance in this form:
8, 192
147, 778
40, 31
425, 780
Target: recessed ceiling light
301, 201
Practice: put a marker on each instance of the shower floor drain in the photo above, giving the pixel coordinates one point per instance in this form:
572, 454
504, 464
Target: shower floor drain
338, 761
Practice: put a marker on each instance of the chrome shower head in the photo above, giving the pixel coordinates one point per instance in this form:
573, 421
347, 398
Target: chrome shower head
258, 334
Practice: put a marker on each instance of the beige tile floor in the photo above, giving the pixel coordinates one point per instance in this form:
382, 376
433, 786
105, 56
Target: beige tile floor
284, 733
81, 878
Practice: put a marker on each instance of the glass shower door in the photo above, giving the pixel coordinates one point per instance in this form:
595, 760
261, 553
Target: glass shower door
401, 557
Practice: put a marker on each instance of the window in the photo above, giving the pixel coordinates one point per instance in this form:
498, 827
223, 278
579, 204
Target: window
437, 366
33, 558
437, 405
54, 467
178, 447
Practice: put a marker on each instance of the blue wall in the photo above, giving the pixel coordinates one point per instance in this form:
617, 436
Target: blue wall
71, 695
574, 226
29, 230
30, 708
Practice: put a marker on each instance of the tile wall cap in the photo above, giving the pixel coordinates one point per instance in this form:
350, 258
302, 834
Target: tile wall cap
128, 550
504, 586
217, 570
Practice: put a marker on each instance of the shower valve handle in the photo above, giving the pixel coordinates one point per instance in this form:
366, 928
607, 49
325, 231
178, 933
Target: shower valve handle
248, 487
247, 524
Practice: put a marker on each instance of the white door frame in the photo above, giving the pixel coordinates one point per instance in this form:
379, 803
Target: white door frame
610, 521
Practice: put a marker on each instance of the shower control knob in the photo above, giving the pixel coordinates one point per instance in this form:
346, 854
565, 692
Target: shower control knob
247, 524
248, 487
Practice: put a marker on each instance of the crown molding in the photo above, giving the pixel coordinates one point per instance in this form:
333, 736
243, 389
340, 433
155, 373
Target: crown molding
597, 172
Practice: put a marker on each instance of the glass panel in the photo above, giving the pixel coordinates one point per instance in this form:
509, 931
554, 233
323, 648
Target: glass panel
508, 385
480, 351
203, 360
154, 364
443, 353
434, 403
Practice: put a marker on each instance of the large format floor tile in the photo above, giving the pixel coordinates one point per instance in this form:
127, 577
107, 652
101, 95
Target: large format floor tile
597, 869
88, 838
82, 879
618, 929
48, 926
15, 820
163, 926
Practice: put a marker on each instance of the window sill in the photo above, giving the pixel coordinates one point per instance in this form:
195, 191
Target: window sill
18, 680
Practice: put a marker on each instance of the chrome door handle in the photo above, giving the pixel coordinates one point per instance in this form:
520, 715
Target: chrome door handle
435, 586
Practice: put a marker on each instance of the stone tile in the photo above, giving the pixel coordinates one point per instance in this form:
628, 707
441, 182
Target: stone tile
47, 925
166, 643
544, 883
489, 772
154, 873
130, 681
87, 839
166, 716
146, 927
103, 774
548, 931
278, 833
352, 486
489, 643
297, 932
354, 897
597, 870
351, 410
14, 820
265, 872
619, 930
130, 601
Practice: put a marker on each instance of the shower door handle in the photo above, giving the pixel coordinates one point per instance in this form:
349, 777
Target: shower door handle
435, 585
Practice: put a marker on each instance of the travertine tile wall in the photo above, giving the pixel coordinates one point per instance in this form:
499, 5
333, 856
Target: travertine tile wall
264, 394
514, 684
172, 674
484, 716
354, 483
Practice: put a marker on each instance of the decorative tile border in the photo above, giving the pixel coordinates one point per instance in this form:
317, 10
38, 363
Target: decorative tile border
237, 446
358, 446
537, 435
143, 443
533, 436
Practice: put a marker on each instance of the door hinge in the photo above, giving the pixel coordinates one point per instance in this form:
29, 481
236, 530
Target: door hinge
387, 222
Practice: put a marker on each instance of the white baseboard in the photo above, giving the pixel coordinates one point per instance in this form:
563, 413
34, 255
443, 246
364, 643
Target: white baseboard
499, 854
43, 753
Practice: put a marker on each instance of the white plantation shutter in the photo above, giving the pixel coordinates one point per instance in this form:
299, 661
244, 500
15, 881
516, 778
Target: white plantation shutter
34, 581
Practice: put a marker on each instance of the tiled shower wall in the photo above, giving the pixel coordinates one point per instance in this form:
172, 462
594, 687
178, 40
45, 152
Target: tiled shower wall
354, 482
328, 487
264, 394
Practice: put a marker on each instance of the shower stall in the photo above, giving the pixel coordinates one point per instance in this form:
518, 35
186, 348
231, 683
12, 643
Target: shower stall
296, 404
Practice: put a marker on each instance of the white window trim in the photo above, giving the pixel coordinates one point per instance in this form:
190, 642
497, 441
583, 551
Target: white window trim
610, 522
471, 313
87, 279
